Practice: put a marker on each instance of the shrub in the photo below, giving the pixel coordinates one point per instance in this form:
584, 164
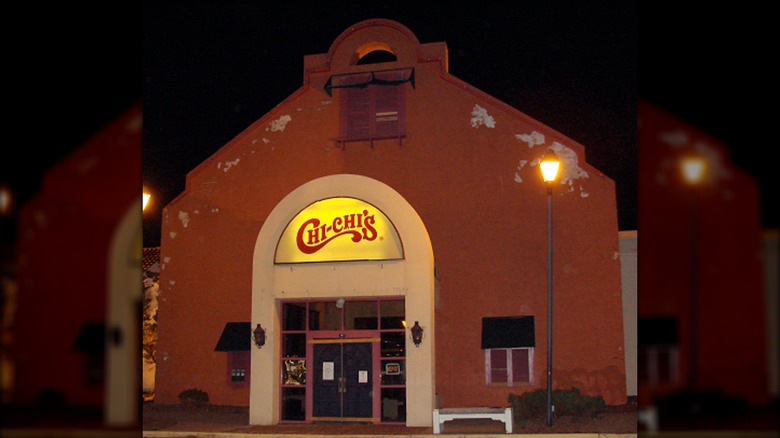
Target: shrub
533, 404
193, 396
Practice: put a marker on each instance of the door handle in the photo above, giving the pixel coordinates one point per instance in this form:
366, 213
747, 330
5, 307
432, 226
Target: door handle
342, 384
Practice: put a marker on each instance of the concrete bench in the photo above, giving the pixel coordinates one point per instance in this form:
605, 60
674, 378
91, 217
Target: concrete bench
501, 414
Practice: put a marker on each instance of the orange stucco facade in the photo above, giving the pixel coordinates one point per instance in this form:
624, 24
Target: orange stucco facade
464, 190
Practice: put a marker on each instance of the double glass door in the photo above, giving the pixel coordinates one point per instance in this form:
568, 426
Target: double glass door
343, 380
343, 360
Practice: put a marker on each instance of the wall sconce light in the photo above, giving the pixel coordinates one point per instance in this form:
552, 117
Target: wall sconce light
259, 336
417, 333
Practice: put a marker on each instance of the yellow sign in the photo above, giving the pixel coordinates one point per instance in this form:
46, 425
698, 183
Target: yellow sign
339, 229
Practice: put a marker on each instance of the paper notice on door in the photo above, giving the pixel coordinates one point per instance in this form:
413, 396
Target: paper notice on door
327, 370
362, 376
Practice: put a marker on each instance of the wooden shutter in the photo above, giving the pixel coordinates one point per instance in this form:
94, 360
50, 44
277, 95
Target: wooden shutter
520, 371
374, 110
498, 366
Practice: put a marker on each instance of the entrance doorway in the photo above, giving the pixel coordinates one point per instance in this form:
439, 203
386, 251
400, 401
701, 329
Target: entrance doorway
343, 380
344, 360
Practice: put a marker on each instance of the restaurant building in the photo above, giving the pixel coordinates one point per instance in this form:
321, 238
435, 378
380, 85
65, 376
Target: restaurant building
376, 246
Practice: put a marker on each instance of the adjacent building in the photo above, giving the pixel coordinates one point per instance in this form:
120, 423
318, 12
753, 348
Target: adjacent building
707, 293
77, 280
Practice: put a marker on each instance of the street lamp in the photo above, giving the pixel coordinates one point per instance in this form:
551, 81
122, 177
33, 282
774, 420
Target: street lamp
6, 200
693, 169
549, 165
145, 200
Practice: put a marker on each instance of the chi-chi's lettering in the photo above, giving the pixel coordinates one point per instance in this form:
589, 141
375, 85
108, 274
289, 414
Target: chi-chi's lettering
313, 234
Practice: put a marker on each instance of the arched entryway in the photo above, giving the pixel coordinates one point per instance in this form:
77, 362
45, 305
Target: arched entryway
123, 318
409, 279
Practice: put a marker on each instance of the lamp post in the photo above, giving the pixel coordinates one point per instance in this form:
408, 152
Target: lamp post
693, 168
549, 165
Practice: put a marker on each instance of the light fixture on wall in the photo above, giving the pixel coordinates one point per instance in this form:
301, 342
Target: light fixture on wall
417, 333
259, 336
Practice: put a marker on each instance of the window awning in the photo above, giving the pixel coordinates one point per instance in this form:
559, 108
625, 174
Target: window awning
236, 336
660, 330
508, 332
364, 79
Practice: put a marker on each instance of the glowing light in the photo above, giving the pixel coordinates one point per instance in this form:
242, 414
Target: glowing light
550, 165
339, 229
5, 200
693, 169
146, 197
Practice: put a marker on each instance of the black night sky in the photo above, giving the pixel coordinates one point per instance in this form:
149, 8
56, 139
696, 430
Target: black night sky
207, 69
213, 68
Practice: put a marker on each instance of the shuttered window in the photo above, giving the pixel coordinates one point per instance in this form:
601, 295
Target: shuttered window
658, 355
509, 345
509, 366
372, 104
235, 341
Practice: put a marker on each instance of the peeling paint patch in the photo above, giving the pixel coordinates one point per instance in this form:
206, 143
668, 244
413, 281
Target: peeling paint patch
85, 165
172, 282
279, 124
533, 139
184, 217
228, 164
480, 116
615, 255
678, 140
172, 234
266, 141
165, 261
520, 166
675, 139
570, 168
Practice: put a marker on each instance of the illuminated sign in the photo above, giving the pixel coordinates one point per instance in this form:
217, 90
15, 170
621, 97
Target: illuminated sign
339, 229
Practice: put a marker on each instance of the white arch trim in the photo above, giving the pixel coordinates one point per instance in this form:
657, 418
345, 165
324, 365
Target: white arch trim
412, 278
125, 292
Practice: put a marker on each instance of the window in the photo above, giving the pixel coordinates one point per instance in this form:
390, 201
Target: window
234, 341
508, 366
509, 350
237, 375
91, 341
658, 355
372, 104
658, 364
238, 364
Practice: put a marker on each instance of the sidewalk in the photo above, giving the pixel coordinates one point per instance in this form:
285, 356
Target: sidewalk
176, 421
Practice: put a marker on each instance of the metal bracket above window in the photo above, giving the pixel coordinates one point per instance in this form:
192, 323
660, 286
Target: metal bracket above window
371, 78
